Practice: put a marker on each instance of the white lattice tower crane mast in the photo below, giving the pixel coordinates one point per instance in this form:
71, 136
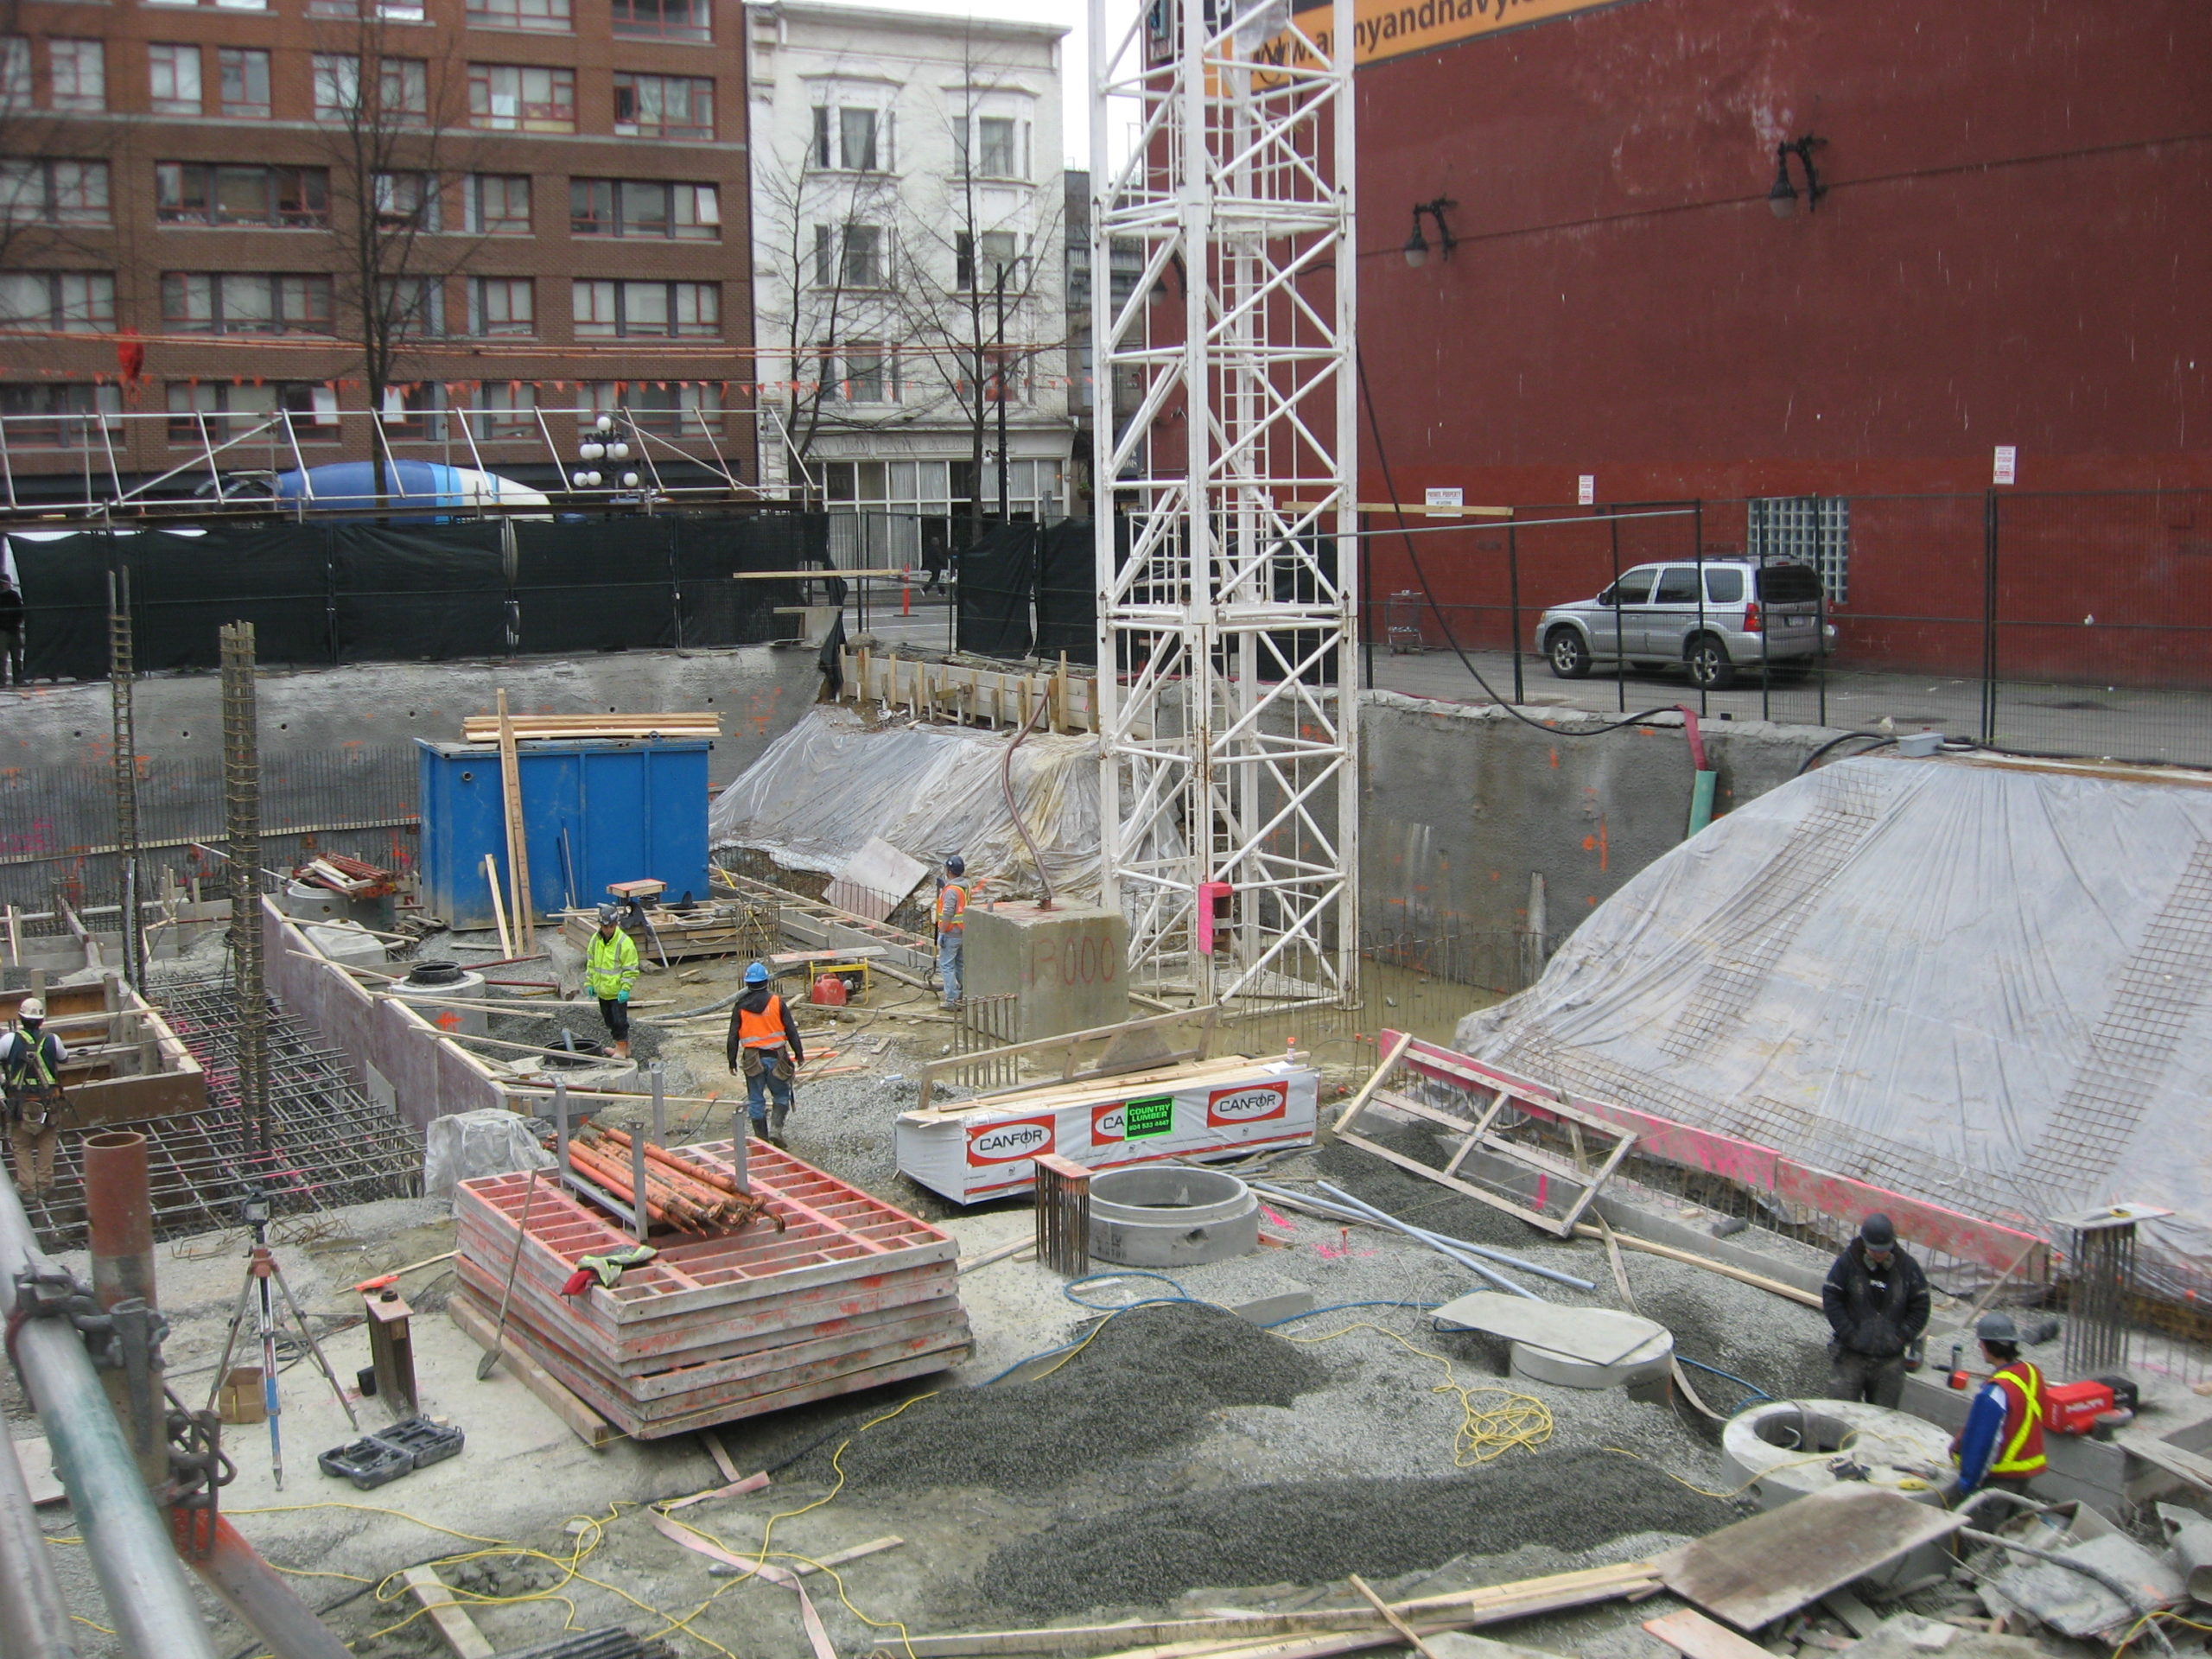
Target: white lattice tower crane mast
1228, 615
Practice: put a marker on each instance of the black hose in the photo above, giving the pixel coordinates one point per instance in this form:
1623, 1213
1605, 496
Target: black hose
2118, 1586
1875, 741
1383, 456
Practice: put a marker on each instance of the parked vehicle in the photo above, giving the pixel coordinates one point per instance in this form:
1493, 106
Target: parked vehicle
1656, 615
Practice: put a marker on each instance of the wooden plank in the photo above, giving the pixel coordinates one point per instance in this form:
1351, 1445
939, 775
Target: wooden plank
1390, 1058
1690, 1632
1491, 1604
593, 1430
452, 1620
1755, 1571
1725, 1269
526, 913
1430, 1172
1390, 1616
2182, 1464
720, 1453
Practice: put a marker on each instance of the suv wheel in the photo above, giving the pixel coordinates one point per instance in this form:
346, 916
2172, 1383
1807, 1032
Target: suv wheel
1709, 665
1570, 657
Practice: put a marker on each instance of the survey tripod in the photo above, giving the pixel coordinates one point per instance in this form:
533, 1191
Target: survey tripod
257, 1296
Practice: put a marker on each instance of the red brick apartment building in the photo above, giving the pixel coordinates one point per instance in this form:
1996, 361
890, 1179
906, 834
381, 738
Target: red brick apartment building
211, 211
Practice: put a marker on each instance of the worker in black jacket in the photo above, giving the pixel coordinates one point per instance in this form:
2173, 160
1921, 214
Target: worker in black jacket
1876, 1299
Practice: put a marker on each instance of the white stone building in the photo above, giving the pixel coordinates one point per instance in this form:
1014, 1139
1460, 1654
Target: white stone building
907, 245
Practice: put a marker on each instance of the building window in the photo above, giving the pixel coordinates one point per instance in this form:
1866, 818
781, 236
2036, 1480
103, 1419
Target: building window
675, 410
246, 82
866, 373
14, 73
414, 306
58, 415
632, 310
173, 73
407, 200
403, 90
498, 204
664, 107
415, 412
502, 305
665, 19
221, 411
853, 140
506, 409
978, 260
390, 11
1811, 530
649, 207
59, 301
551, 16
991, 147
209, 193
53, 192
513, 98
246, 302
849, 255
80, 72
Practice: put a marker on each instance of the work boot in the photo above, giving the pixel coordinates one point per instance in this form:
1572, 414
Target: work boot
622, 1049
776, 1124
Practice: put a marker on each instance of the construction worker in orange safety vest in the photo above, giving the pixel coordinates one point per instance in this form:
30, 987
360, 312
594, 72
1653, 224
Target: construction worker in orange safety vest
2001, 1445
762, 1030
951, 926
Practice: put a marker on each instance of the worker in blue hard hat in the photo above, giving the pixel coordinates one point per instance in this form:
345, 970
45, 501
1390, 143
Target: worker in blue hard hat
763, 1045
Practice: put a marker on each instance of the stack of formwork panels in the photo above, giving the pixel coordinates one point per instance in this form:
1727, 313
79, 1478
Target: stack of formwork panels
854, 1293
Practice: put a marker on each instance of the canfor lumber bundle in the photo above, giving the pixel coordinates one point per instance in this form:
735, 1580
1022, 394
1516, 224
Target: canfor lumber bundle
678, 1193
853, 1294
485, 728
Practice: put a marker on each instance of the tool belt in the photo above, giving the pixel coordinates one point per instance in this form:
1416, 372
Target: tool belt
38, 1105
776, 1063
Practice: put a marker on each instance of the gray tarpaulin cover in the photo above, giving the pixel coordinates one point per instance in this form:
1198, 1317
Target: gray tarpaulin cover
836, 781
1985, 984
461, 1146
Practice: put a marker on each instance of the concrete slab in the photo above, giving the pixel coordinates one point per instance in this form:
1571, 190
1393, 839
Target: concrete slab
1067, 964
1602, 1336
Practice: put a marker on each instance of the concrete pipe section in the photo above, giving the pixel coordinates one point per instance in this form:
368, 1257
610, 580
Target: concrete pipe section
1171, 1216
1792, 1448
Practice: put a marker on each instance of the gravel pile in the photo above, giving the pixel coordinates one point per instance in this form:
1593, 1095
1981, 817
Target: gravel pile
1314, 1532
1150, 1378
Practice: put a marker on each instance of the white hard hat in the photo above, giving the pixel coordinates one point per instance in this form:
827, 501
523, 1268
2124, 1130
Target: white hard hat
32, 1008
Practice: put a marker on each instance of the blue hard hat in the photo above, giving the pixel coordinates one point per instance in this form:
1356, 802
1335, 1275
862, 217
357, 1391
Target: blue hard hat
756, 974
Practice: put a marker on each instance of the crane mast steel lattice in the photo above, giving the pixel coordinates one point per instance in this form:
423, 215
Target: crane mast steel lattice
1228, 616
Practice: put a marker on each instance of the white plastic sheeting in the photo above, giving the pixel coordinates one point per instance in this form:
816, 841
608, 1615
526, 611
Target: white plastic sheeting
835, 782
1987, 984
463, 1146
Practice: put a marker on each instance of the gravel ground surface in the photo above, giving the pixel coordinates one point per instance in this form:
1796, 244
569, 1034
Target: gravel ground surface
1146, 1383
1311, 1532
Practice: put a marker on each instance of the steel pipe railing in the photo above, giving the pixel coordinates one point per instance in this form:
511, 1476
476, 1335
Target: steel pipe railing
34, 1619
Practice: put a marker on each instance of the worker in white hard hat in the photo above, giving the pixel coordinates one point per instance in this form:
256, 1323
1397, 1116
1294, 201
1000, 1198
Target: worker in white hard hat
610, 969
951, 926
30, 1077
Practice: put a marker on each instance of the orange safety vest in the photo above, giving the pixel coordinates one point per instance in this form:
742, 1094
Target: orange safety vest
952, 908
2021, 1452
764, 1029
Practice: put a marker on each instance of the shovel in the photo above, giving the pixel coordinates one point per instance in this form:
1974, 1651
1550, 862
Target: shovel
522, 1231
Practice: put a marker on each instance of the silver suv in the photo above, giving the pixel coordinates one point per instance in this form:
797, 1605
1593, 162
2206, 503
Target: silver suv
1655, 616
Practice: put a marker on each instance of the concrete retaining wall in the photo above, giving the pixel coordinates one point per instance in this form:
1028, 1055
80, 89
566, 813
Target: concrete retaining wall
1462, 804
335, 745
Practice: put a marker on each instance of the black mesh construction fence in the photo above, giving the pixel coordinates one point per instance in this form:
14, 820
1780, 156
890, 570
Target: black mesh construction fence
1030, 589
358, 593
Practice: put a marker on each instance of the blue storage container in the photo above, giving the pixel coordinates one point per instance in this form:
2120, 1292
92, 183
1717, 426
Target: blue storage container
633, 811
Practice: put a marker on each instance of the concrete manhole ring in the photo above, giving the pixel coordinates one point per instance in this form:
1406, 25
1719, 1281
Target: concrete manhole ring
1171, 1216
1787, 1446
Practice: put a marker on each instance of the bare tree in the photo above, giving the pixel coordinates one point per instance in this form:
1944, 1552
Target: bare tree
393, 126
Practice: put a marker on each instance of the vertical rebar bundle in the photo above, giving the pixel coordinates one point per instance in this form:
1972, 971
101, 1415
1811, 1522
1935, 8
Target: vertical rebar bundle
242, 801
122, 669
2099, 1299
1064, 1215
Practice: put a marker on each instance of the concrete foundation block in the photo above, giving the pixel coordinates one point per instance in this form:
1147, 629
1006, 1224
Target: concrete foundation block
1069, 965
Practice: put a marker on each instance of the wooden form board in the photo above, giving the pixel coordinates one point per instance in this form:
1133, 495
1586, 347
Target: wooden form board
957, 691
1689, 1632
1755, 1571
854, 1291
485, 728
1994, 1243
1114, 1051
1481, 1133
